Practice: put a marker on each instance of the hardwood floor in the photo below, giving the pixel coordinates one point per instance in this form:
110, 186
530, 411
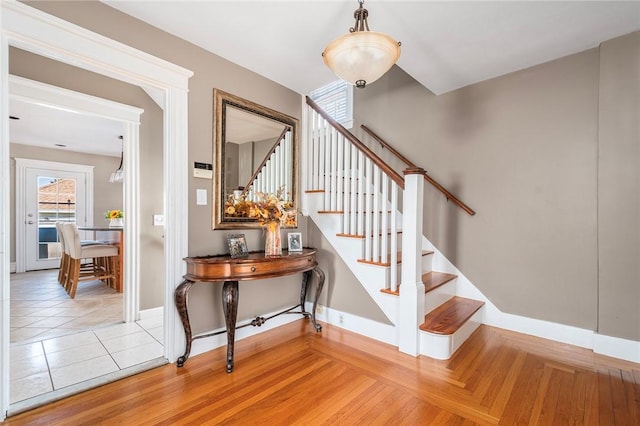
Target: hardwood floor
292, 375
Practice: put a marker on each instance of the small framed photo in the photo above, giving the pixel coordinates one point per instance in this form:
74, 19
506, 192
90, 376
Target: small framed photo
237, 245
295, 241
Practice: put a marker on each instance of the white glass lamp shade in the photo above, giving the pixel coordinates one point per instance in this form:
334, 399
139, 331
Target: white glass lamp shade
361, 57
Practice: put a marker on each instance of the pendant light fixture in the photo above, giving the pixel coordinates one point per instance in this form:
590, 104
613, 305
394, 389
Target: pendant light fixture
118, 175
361, 56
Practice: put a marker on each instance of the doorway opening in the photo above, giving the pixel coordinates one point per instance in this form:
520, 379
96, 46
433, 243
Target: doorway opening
35, 31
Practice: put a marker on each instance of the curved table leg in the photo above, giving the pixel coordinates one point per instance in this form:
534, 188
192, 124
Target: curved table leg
180, 296
230, 307
320, 276
304, 286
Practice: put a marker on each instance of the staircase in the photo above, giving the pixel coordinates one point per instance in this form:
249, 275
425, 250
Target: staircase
372, 216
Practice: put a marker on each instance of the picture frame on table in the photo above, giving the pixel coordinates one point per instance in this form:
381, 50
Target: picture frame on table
237, 245
294, 241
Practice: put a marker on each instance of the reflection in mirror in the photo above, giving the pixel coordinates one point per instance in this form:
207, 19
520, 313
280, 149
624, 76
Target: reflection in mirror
255, 151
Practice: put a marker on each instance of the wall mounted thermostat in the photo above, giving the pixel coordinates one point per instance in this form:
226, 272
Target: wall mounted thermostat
203, 170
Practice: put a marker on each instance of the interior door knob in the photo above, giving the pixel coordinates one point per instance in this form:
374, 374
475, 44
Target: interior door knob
30, 222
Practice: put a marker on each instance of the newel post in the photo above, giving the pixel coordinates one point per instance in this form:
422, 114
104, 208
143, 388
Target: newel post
411, 312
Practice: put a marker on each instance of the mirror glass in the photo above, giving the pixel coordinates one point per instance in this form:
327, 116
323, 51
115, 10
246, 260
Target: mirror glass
255, 155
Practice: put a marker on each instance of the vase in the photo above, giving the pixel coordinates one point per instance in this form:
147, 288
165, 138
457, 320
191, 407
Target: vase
272, 242
116, 223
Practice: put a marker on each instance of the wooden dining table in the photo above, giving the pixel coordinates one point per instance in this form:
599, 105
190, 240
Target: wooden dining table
119, 244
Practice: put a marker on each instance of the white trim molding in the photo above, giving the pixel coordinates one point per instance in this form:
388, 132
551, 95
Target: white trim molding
32, 30
36, 92
616, 347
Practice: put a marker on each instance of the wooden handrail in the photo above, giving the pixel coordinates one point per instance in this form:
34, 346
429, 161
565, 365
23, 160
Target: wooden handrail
428, 178
395, 176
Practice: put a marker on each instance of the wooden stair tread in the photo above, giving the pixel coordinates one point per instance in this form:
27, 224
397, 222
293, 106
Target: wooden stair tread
388, 262
363, 236
447, 318
433, 280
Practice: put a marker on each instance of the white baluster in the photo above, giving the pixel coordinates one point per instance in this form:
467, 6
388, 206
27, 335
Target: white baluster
361, 205
339, 170
353, 213
315, 150
393, 258
334, 168
326, 165
376, 211
346, 197
368, 231
384, 219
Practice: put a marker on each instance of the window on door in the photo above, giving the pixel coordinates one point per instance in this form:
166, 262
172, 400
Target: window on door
46, 193
56, 203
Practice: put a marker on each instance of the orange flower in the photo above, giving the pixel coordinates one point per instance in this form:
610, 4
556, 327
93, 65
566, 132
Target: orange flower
266, 208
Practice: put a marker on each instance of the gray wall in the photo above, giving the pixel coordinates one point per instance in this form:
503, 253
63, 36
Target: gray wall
548, 157
210, 71
618, 188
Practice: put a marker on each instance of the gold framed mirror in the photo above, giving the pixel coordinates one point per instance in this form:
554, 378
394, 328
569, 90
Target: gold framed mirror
255, 154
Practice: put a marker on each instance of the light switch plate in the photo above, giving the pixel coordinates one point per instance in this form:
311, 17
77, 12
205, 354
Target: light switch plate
201, 197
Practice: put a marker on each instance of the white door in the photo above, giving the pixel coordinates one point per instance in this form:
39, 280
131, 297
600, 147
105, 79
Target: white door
51, 196
48, 193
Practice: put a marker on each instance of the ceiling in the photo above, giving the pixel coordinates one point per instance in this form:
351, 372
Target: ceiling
445, 45
44, 126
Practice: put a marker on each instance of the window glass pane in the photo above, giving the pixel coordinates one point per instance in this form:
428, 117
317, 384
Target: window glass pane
56, 203
337, 100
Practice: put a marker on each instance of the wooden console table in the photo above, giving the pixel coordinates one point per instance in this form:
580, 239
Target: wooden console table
255, 266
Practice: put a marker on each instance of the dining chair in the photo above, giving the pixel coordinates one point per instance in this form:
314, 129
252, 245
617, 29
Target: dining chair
100, 261
64, 259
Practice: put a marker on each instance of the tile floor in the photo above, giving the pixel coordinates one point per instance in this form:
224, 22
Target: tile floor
41, 308
62, 345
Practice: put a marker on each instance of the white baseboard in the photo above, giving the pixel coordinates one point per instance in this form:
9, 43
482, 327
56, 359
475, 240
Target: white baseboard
12, 268
375, 330
616, 347
151, 313
601, 344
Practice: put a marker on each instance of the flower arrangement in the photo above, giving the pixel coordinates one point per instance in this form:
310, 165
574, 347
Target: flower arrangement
266, 208
114, 214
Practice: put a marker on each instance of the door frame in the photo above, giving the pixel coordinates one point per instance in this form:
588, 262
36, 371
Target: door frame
167, 84
31, 91
22, 166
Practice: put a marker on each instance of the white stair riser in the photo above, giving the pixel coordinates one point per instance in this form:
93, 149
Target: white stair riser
427, 261
438, 296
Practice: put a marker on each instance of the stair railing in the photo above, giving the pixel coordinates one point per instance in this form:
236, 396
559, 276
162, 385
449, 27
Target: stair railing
359, 184
272, 174
370, 195
409, 164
